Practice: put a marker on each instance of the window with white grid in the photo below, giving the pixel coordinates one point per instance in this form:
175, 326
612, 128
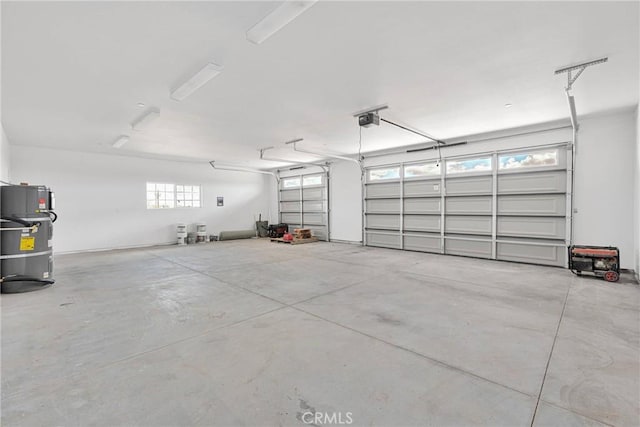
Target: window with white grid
187, 196
170, 196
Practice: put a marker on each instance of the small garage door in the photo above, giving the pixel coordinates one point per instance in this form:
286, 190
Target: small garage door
304, 203
508, 206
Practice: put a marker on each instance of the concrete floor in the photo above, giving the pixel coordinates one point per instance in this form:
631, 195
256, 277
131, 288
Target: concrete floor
259, 333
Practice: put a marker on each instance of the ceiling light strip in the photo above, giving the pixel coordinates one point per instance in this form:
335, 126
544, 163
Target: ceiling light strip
120, 141
198, 80
144, 121
277, 19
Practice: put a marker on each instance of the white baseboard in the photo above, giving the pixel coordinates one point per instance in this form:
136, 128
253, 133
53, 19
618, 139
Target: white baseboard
116, 248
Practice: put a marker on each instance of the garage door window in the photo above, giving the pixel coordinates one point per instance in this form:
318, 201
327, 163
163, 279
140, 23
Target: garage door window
528, 160
310, 180
482, 164
291, 182
421, 170
384, 174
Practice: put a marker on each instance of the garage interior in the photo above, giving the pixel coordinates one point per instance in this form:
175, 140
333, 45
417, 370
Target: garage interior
456, 163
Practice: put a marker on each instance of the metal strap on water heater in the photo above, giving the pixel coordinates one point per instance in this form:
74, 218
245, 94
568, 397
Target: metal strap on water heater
26, 255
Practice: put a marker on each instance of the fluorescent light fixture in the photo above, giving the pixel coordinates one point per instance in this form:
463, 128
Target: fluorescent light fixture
198, 80
144, 121
122, 139
278, 19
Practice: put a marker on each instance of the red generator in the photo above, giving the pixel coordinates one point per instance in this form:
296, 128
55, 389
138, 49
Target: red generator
601, 261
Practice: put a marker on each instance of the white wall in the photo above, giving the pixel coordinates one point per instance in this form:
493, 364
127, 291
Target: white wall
5, 157
604, 191
101, 199
345, 202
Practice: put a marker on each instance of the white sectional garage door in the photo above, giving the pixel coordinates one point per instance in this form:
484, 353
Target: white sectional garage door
508, 206
304, 203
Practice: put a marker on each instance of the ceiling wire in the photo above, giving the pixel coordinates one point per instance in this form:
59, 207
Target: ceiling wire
360, 160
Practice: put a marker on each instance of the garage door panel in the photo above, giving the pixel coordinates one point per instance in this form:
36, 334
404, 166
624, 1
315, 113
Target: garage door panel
537, 204
290, 206
387, 189
383, 206
537, 182
422, 243
419, 206
537, 227
290, 195
314, 206
430, 188
467, 224
475, 248
531, 253
422, 223
383, 240
318, 193
313, 219
387, 222
469, 205
469, 185
306, 206
290, 218
513, 212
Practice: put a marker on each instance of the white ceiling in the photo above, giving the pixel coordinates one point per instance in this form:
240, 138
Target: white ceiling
73, 72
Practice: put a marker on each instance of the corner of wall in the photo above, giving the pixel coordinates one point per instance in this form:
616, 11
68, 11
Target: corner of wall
637, 196
5, 157
607, 169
